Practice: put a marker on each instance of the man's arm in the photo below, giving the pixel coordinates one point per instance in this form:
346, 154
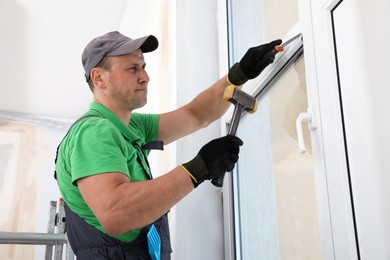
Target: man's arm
207, 107
121, 205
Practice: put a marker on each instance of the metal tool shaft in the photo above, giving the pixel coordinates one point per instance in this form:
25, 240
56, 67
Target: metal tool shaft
235, 119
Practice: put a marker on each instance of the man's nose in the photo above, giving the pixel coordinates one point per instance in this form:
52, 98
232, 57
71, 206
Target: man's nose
143, 76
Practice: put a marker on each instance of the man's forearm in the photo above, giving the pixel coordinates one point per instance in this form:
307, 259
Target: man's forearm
205, 108
121, 205
210, 104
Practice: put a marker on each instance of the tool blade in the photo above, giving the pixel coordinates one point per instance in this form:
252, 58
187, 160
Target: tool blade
290, 40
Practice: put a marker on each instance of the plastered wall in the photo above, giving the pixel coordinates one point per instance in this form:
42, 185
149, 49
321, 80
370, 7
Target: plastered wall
26, 182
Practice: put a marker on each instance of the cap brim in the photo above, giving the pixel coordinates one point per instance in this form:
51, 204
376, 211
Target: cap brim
150, 44
146, 44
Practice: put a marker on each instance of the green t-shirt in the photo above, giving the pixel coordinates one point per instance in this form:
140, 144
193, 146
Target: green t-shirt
102, 144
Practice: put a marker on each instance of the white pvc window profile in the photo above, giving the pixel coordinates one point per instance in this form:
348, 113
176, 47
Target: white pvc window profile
258, 88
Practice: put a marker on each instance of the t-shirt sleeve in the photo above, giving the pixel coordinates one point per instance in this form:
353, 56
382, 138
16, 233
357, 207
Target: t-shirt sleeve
97, 148
147, 124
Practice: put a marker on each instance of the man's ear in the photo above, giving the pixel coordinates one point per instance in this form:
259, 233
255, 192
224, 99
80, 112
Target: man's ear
97, 78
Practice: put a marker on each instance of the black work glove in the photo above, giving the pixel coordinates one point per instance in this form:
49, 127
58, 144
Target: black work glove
253, 63
214, 159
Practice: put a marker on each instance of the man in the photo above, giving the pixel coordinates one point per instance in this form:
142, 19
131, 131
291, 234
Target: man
113, 205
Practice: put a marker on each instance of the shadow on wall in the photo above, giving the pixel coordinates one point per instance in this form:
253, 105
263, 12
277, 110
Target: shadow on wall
13, 46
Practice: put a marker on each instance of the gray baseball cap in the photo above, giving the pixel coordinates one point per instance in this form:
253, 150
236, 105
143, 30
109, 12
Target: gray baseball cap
114, 44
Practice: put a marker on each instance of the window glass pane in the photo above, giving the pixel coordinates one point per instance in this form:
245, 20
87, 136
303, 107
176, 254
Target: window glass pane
277, 199
258, 21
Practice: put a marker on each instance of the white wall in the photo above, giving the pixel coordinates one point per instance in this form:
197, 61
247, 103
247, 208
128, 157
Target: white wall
199, 216
41, 43
42, 75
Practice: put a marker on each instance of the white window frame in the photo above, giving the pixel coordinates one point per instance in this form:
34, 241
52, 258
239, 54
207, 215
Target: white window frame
335, 206
337, 227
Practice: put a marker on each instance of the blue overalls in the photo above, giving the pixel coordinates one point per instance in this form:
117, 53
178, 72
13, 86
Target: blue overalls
88, 243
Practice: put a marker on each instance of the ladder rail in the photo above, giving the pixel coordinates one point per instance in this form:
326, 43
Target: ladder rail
54, 238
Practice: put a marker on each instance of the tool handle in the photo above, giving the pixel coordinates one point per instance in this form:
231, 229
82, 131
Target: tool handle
218, 182
273, 52
277, 49
228, 95
238, 108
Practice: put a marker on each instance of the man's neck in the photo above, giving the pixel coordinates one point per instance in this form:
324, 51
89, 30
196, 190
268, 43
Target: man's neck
123, 115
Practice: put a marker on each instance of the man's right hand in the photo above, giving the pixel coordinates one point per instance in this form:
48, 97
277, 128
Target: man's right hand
214, 159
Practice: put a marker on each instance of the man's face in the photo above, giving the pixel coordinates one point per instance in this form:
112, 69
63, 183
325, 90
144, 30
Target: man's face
127, 81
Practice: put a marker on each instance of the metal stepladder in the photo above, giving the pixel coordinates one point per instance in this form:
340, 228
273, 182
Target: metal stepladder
56, 225
55, 238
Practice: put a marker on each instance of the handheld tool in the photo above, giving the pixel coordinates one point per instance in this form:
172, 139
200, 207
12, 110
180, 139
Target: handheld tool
242, 101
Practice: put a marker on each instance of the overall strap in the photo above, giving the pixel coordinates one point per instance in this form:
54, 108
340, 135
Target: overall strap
154, 145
